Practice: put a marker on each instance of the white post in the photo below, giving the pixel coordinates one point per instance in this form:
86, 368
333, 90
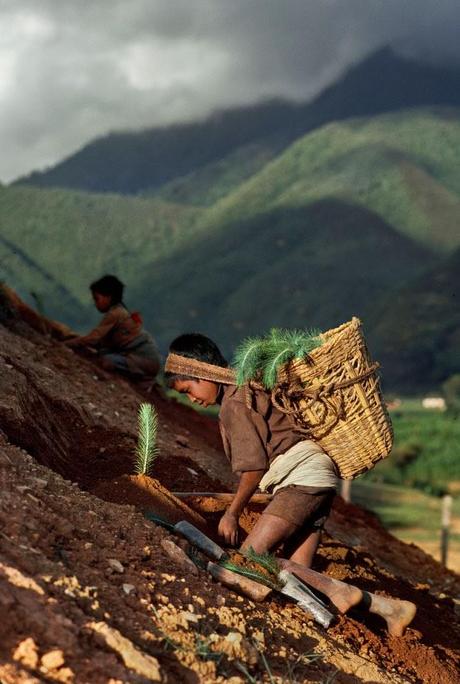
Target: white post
345, 490
445, 525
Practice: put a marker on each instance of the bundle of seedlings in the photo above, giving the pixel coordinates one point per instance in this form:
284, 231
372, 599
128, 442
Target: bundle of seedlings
328, 385
260, 358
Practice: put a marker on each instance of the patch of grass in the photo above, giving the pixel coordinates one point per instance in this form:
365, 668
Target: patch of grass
435, 437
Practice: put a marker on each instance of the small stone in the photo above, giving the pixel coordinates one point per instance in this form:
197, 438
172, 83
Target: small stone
115, 565
26, 653
234, 637
161, 598
188, 616
128, 588
220, 600
53, 659
179, 556
38, 482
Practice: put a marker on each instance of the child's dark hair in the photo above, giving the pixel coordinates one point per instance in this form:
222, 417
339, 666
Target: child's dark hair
195, 346
110, 286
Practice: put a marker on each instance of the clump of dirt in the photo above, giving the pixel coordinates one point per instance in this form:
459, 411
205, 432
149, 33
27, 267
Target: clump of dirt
91, 591
148, 495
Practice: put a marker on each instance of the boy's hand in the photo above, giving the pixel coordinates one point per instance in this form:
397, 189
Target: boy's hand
228, 528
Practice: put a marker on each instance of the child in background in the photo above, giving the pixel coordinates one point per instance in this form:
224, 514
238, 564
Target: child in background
263, 449
120, 339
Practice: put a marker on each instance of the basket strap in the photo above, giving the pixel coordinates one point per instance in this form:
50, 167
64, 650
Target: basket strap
285, 398
326, 389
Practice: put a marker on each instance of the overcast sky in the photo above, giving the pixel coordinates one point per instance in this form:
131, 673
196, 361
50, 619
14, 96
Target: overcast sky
71, 70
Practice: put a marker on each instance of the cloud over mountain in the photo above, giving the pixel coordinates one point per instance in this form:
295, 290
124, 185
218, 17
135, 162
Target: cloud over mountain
70, 70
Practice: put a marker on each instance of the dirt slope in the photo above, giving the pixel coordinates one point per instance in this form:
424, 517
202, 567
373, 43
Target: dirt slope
72, 613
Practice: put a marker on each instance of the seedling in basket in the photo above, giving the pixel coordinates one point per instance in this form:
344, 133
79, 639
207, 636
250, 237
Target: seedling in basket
147, 449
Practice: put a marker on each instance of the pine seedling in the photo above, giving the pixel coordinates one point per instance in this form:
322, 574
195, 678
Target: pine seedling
248, 359
284, 345
260, 358
146, 450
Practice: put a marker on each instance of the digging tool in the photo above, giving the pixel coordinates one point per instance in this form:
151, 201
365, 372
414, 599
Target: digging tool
304, 598
289, 585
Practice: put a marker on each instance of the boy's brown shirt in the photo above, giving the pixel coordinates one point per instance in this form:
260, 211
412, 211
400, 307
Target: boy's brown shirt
115, 331
253, 437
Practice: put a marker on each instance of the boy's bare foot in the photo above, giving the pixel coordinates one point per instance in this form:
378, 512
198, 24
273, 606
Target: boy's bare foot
397, 614
343, 596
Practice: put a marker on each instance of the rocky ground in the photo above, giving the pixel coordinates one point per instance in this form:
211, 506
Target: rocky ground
90, 591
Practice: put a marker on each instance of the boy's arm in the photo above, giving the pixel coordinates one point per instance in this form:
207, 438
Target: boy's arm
228, 526
96, 335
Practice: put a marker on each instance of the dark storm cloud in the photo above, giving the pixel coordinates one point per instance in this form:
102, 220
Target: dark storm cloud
74, 69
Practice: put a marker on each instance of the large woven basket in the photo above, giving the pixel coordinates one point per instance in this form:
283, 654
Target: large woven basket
333, 396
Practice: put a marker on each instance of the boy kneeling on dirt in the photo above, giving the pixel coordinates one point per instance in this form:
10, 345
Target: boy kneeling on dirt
120, 339
267, 453
263, 449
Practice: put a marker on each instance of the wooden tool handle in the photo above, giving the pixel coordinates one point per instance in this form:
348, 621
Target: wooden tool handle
254, 590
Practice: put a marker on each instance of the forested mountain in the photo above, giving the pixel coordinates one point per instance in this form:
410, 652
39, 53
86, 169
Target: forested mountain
131, 162
244, 222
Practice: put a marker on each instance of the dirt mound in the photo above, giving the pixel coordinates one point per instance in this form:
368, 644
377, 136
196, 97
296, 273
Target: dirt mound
92, 592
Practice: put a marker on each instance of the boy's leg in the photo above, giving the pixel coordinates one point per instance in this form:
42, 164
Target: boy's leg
268, 532
396, 613
344, 596
304, 550
295, 516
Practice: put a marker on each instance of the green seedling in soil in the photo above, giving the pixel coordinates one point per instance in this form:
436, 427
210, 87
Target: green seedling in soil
146, 450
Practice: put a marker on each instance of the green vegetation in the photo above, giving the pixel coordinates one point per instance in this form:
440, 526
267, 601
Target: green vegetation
146, 450
417, 333
260, 358
205, 186
55, 242
425, 453
402, 166
355, 218
411, 515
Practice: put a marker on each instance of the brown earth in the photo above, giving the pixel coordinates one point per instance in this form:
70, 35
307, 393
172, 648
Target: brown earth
91, 592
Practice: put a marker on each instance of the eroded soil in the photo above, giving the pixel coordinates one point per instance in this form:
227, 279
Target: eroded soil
90, 591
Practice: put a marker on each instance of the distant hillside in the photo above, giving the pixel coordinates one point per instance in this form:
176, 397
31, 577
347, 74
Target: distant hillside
338, 224
316, 265
55, 242
31, 281
130, 162
417, 333
405, 167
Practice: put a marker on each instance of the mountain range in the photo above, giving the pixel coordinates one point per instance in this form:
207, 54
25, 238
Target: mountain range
279, 214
